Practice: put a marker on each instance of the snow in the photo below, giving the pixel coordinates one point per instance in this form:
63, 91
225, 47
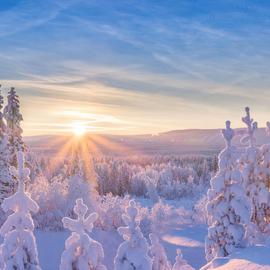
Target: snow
190, 239
133, 252
251, 258
19, 249
81, 252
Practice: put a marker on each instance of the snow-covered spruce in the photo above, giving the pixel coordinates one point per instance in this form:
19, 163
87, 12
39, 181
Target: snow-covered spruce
6, 185
158, 254
180, 263
81, 251
228, 207
13, 119
132, 254
262, 214
19, 247
79, 187
252, 163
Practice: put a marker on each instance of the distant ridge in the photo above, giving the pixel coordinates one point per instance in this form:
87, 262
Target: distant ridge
177, 142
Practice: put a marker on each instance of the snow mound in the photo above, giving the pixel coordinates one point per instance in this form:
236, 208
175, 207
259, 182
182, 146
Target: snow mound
252, 258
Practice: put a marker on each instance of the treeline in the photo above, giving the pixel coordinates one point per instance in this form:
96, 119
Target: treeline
171, 177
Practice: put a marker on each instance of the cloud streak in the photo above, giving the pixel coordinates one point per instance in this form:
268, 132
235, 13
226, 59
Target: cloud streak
133, 66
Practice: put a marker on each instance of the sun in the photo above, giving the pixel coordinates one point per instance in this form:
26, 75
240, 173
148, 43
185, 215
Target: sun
79, 129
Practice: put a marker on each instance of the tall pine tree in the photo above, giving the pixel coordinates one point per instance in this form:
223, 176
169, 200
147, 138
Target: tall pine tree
228, 207
13, 119
5, 177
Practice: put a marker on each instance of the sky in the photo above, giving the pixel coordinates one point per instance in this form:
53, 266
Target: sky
135, 66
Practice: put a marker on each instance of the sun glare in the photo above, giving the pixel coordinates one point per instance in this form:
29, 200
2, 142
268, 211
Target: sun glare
79, 129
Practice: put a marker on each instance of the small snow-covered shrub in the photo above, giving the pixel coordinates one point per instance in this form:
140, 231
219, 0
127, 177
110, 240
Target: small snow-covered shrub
161, 216
180, 263
133, 252
81, 251
158, 254
79, 188
110, 210
51, 198
199, 211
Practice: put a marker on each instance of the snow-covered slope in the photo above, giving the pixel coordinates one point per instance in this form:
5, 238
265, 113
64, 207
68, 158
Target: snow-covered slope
252, 258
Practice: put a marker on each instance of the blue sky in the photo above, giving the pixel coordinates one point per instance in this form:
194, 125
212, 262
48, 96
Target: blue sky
131, 67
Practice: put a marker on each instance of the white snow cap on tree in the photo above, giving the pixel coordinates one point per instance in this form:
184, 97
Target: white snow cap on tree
180, 263
251, 128
19, 247
81, 251
158, 254
228, 207
133, 253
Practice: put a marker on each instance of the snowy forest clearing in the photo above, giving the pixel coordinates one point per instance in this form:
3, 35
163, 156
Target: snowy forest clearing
189, 238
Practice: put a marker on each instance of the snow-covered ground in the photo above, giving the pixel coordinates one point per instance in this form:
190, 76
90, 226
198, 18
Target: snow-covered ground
252, 258
190, 239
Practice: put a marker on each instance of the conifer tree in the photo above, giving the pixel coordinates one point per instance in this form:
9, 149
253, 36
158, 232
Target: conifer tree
19, 249
13, 119
262, 217
6, 185
133, 252
254, 182
81, 251
228, 207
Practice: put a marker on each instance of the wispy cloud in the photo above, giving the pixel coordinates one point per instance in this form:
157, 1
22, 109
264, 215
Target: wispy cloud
142, 66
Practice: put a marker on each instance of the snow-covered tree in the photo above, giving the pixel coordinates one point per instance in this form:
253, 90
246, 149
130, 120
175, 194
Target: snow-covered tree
2, 123
132, 254
6, 185
254, 181
180, 263
228, 207
19, 249
158, 254
262, 201
79, 187
151, 185
81, 251
13, 119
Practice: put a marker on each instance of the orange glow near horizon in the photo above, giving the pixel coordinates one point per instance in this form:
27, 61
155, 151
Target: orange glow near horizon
86, 146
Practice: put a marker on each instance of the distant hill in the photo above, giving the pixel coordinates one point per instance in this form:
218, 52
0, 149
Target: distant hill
190, 141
